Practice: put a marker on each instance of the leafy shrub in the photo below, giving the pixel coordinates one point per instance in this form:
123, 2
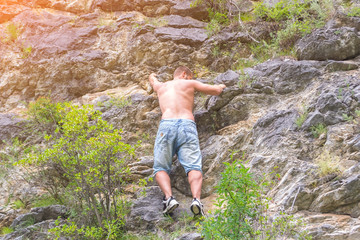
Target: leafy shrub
18, 204
6, 230
85, 164
303, 116
217, 21
283, 10
44, 116
218, 14
111, 230
242, 210
318, 129
292, 31
354, 12
43, 201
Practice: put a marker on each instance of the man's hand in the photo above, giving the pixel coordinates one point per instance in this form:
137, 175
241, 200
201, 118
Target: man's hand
154, 82
152, 78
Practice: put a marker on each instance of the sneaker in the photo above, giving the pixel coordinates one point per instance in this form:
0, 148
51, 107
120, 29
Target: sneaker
170, 205
197, 208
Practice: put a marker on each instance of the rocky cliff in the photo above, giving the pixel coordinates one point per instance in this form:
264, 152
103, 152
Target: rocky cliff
287, 115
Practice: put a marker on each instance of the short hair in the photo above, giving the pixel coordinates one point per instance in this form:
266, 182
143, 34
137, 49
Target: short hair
182, 69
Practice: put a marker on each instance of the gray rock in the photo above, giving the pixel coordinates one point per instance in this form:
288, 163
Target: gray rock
328, 101
37, 231
146, 211
38, 215
10, 127
313, 119
187, 36
285, 75
334, 66
340, 197
335, 44
176, 21
183, 8
273, 127
190, 236
205, 124
236, 110
214, 103
355, 143
229, 78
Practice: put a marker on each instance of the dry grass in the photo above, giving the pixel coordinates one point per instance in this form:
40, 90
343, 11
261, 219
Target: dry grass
328, 164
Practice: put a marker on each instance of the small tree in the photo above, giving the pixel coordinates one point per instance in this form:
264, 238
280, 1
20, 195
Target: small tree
243, 210
91, 159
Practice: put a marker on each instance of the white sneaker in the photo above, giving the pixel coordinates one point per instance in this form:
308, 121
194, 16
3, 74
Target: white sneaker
197, 208
170, 205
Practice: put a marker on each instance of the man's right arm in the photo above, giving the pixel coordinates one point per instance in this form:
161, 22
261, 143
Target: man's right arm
208, 89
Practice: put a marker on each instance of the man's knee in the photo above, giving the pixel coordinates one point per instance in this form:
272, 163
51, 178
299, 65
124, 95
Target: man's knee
195, 174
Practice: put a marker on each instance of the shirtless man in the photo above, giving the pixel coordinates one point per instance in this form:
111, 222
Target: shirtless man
177, 134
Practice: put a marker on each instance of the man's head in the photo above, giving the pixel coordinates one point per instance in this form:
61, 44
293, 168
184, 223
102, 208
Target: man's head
183, 72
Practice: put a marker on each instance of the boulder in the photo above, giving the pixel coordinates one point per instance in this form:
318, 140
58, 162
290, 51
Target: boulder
38, 231
10, 127
40, 214
184, 8
187, 36
190, 236
286, 76
276, 125
341, 197
335, 44
176, 21
146, 211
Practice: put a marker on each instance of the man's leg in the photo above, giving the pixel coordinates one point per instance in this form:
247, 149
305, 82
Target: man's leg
195, 180
163, 179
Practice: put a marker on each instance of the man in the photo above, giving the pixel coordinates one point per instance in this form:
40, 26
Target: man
177, 134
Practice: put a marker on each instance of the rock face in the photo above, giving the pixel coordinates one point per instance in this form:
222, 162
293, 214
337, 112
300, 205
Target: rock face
129, 41
329, 44
284, 114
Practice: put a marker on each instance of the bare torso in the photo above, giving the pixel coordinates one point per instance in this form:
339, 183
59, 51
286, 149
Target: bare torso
176, 99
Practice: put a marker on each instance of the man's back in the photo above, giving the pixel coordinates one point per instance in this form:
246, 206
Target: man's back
176, 99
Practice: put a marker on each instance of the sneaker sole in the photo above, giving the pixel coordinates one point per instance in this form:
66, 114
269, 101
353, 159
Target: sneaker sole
170, 208
195, 209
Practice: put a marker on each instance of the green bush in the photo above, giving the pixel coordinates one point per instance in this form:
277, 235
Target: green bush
6, 230
302, 117
44, 116
84, 164
318, 129
283, 10
292, 31
217, 21
354, 12
242, 210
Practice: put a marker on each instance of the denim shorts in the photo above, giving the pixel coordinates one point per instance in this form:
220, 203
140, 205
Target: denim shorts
180, 137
